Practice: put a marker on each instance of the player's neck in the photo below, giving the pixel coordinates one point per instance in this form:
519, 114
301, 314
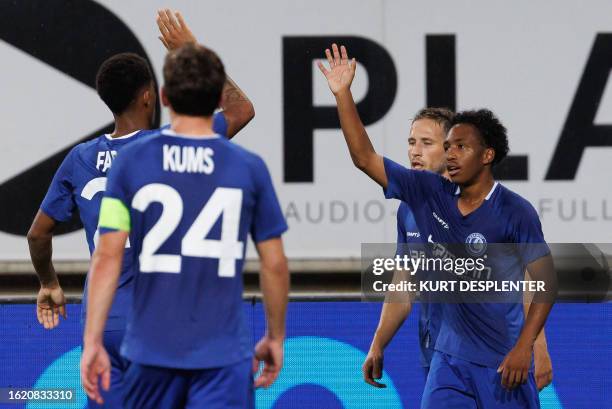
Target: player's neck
127, 123
478, 189
192, 125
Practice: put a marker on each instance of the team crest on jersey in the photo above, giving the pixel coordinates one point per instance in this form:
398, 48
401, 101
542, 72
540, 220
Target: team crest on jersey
476, 244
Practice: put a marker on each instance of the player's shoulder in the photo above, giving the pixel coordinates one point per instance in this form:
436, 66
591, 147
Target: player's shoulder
516, 205
83, 148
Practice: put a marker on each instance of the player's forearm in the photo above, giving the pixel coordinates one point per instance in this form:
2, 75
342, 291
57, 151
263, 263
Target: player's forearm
103, 279
392, 317
359, 144
541, 338
274, 282
41, 250
360, 147
237, 107
534, 323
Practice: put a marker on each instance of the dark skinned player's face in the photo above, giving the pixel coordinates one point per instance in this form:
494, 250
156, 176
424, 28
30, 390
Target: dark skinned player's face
466, 155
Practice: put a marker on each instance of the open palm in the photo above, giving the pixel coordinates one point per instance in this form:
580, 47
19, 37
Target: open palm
341, 70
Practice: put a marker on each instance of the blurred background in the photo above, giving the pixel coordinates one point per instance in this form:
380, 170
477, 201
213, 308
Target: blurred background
542, 67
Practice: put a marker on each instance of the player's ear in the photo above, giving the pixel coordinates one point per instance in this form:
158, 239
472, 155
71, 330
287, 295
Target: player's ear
488, 156
147, 98
164, 97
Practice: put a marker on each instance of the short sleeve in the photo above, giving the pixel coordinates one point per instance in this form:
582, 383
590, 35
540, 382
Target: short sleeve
59, 202
268, 220
401, 230
114, 209
220, 124
410, 186
529, 236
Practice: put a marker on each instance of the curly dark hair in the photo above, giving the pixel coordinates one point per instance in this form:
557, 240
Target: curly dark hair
491, 130
193, 80
442, 116
120, 78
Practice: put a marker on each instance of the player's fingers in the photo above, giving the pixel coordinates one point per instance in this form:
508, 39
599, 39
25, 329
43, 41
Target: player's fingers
161, 38
48, 317
330, 60
255, 365
377, 369
180, 20
504, 377
39, 315
174, 21
344, 54
322, 68
366, 369
160, 24
524, 376
55, 317
106, 379
336, 53
88, 385
353, 65
512, 379
370, 381
262, 380
169, 21
63, 312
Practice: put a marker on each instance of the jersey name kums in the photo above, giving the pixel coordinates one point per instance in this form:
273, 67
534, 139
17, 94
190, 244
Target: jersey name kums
188, 159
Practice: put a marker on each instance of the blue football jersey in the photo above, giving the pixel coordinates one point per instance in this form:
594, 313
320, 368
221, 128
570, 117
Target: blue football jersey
482, 333
79, 184
189, 204
409, 242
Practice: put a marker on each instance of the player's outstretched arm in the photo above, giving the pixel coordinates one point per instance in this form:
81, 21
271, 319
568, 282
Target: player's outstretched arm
339, 78
103, 279
237, 108
50, 302
515, 366
274, 283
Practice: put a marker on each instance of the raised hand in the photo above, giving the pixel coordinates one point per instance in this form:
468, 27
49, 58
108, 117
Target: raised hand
341, 70
174, 31
50, 304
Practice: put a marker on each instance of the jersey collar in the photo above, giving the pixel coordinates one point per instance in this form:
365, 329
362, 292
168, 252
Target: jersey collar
170, 132
488, 195
110, 138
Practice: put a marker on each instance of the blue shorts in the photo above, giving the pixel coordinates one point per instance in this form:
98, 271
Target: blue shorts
113, 398
455, 383
149, 387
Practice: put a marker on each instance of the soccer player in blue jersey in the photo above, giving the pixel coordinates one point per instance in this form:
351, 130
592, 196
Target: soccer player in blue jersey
426, 152
125, 83
481, 348
188, 204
